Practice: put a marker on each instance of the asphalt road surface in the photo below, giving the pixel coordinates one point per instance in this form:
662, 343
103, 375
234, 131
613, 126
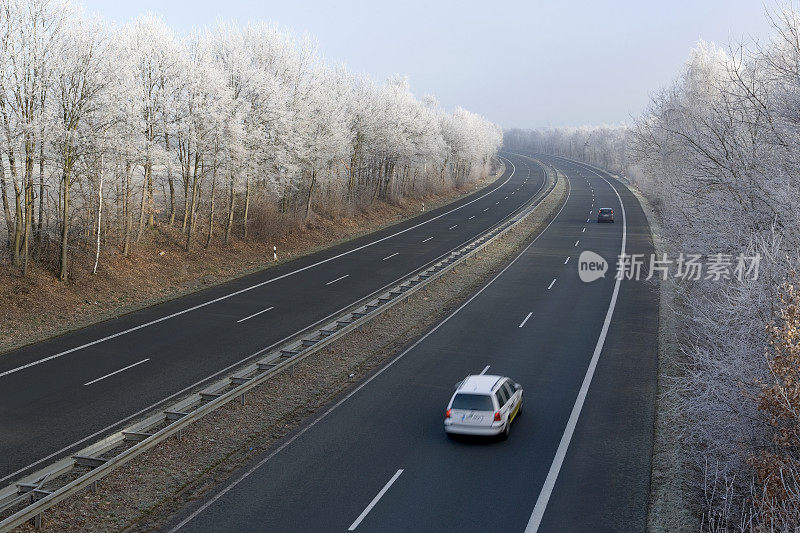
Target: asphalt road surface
578, 459
59, 395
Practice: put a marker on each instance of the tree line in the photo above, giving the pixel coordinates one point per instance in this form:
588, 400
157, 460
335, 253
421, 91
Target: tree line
108, 132
717, 153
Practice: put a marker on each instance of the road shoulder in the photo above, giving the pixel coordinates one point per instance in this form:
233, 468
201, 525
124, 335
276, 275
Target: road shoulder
669, 510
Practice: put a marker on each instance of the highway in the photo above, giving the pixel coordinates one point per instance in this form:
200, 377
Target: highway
61, 394
578, 459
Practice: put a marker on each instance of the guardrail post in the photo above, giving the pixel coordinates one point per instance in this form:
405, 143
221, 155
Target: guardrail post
37, 521
179, 434
241, 398
93, 486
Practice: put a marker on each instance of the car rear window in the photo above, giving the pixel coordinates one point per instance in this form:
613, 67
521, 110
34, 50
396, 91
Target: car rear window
473, 402
606, 211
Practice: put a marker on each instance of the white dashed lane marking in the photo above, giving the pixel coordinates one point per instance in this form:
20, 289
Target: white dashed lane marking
255, 314
338, 279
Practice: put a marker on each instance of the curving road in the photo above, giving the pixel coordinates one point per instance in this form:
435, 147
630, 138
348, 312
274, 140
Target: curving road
577, 460
59, 395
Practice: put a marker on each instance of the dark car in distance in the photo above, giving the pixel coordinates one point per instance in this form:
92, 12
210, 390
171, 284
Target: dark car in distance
605, 214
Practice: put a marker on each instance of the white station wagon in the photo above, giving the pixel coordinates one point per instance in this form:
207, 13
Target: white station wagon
483, 405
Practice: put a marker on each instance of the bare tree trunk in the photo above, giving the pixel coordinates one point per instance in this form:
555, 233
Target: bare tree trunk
192, 207
310, 192
12, 165
26, 235
18, 224
148, 178
186, 176
62, 273
38, 235
231, 205
354, 164
29, 147
211, 215
171, 182
142, 208
246, 205
99, 216
126, 246
6, 208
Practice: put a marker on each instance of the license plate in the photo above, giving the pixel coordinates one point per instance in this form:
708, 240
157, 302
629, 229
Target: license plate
472, 418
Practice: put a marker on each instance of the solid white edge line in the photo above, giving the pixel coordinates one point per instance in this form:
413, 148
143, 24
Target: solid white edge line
352, 393
374, 501
246, 289
563, 446
337, 279
255, 314
390, 256
485, 369
526, 319
117, 372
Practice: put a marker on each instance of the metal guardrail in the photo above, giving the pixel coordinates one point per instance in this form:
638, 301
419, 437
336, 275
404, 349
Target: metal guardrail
37, 492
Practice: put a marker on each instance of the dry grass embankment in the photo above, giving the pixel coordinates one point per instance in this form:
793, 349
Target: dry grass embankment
38, 306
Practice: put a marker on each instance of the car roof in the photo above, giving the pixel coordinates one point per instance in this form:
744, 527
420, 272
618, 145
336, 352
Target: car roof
479, 384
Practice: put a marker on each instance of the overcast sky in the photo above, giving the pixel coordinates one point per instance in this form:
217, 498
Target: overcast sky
520, 64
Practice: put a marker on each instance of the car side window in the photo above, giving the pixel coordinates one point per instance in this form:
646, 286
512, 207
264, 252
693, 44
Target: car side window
509, 388
502, 396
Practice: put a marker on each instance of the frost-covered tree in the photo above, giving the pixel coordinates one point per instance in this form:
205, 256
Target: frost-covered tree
126, 128
718, 155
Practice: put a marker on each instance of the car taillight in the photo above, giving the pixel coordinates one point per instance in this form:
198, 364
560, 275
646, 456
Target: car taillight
447, 414
497, 416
